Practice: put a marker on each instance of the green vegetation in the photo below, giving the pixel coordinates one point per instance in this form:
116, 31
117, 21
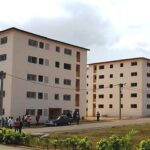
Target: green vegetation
8, 136
116, 138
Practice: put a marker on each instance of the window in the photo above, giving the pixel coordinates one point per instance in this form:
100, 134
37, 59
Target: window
46, 62
133, 94
111, 75
47, 46
134, 63
67, 81
56, 80
121, 74
101, 86
45, 79
100, 106
101, 96
110, 85
56, 97
133, 105
110, 106
148, 74
148, 106
31, 77
67, 51
148, 64
77, 70
3, 40
121, 64
39, 112
57, 64
45, 112
67, 66
41, 45
101, 67
46, 96
101, 76
148, 95
111, 65
121, 95
148, 85
77, 85
57, 49
40, 95
41, 61
31, 94
78, 56
32, 59
40, 78
33, 43
133, 84
133, 73
30, 112
3, 57
121, 85
110, 96
77, 100
67, 97
3, 93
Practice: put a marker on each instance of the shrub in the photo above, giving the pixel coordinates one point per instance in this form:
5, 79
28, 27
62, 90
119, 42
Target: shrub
55, 143
8, 136
85, 144
116, 142
144, 145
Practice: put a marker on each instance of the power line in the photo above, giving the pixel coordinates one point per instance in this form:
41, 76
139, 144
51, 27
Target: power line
92, 89
48, 85
136, 89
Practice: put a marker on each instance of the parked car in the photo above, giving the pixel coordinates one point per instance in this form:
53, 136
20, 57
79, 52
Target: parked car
60, 121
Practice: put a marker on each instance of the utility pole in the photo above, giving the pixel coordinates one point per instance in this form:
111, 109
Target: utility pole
120, 96
1, 92
120, 93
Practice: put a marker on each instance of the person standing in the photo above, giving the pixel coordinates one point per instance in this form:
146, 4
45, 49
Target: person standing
37, 119
77, 117
98, 115
10, 122
3, 122
16, 125
20, 125
6, 122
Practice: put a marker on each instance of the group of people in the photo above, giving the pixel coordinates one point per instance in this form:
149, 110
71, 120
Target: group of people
11, 123
75, 116
17, 124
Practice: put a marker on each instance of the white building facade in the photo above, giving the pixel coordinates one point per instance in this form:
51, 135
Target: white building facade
103, 91
43, 76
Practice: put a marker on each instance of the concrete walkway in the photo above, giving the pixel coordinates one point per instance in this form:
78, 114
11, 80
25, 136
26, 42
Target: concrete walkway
5, 147
85, 126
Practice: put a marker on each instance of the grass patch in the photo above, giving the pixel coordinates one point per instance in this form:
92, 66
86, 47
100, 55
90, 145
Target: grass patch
96, 134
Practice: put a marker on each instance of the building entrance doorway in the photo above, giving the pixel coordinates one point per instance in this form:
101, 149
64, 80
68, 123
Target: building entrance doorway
54, 112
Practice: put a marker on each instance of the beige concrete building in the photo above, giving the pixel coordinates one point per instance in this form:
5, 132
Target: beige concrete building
103, 80
43, 76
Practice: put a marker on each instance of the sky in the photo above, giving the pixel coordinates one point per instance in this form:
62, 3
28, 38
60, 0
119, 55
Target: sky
111, 29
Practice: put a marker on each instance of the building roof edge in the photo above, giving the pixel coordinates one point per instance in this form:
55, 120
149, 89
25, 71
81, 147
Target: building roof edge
17, 29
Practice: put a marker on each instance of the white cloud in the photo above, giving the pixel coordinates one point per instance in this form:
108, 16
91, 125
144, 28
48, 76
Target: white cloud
20, 11
104, 26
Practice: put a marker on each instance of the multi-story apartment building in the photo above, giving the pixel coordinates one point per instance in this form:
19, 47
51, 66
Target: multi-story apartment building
104, 92
43, 76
